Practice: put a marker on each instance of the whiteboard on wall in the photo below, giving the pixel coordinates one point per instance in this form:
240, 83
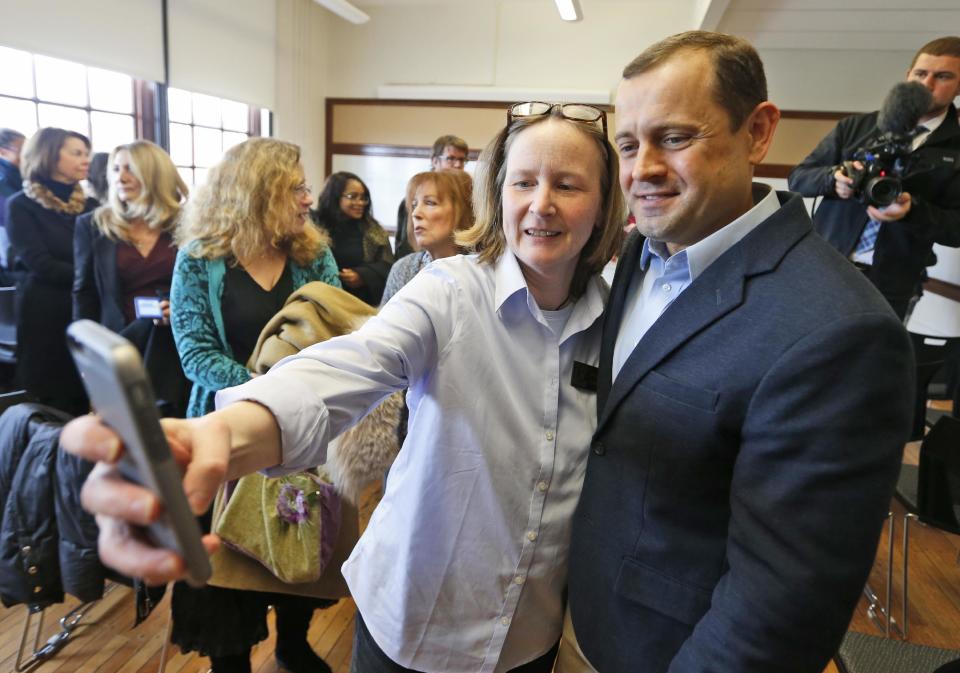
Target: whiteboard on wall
386, 178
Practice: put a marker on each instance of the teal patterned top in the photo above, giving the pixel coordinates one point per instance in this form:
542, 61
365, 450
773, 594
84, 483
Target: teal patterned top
196, 317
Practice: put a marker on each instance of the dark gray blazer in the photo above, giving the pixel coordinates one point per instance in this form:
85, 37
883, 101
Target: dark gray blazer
96, 290
743, 462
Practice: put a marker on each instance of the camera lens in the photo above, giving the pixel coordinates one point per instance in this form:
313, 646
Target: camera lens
882, 192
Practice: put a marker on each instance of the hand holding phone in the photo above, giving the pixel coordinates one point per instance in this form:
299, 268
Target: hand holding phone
143, 487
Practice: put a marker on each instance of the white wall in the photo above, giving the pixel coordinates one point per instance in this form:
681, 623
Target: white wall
508, 43
840, 81
300, 81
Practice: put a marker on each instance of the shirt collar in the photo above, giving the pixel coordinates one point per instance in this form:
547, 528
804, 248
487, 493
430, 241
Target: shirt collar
933, 124
705, 252
509, 280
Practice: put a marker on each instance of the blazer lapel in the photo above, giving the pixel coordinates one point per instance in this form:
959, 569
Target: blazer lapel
627, 266
716, 292
105, 253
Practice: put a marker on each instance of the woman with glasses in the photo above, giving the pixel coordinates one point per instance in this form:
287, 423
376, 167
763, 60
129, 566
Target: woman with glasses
360, 245
463, 565
246, 243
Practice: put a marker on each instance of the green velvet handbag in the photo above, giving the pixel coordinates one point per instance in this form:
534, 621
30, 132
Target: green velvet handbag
288, 524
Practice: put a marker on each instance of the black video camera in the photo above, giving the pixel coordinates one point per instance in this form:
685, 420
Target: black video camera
888, 159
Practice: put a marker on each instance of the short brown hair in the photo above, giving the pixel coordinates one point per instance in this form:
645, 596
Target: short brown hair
41, 153
441, 143
486, 236
452, 184
942, 46
8, 137
739, 80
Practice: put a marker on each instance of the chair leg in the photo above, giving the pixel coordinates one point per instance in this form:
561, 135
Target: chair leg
891, 533
906, 560
166, 634
20, 665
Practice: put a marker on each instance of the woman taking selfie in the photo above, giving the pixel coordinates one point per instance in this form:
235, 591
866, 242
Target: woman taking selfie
463, 564
360, 245
40, 222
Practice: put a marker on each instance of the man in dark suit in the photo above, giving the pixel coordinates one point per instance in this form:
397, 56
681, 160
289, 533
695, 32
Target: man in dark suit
754, 397
894, 245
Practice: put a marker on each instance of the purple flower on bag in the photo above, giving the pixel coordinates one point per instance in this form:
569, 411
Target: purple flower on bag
292, 504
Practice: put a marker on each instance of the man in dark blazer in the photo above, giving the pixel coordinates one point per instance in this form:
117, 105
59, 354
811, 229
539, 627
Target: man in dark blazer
894, 245
754, 397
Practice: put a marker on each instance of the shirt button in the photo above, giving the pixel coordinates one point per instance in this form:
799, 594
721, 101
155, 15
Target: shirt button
531, 536
505, 621
518, 579
599, 448
550, 436
667, 287
542, 486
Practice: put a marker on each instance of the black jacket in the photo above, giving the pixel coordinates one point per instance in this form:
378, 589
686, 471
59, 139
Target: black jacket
10, 183
48, 543
904, 248
43, 242
96, 290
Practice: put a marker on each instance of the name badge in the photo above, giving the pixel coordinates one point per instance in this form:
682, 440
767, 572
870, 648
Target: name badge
584, 377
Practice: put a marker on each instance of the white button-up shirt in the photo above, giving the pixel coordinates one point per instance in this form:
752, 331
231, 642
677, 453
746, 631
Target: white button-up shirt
663, 277
463, 564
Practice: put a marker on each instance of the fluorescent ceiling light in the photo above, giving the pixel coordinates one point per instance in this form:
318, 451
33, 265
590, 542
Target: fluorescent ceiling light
569, 10
344, 10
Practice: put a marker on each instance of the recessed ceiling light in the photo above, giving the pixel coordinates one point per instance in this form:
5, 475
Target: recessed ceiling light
344, 10
569, 10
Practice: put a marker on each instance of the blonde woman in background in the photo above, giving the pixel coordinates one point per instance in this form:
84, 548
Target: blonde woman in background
246, 243
125, 249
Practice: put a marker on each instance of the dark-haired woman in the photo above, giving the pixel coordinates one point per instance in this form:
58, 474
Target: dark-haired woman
40, 221
360, 245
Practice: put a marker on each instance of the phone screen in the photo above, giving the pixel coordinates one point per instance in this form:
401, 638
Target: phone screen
148, 307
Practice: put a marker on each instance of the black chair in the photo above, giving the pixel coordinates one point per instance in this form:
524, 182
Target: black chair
860, 653
8, 325
930, 491
931, 352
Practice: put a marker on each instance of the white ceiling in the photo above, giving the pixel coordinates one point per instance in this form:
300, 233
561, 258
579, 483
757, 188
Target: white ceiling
876, 25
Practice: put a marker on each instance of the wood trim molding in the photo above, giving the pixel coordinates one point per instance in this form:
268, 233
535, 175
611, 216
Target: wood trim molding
943, 288
773, 171
411, 151
816, 115
403, 151
415, 102
328, 137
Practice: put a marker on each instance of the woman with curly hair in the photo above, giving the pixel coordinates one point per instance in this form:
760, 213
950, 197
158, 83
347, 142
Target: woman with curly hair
360, 245
246, 243
40, 222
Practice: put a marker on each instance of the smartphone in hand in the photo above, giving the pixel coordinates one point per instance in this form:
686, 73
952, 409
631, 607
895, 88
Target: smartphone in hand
118, 387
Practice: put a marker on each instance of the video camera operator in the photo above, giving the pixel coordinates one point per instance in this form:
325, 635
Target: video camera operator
887, 220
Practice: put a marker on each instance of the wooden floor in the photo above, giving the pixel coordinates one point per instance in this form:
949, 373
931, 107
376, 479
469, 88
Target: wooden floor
105, 643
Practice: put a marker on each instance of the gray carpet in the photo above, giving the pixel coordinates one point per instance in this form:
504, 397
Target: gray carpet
860, 653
